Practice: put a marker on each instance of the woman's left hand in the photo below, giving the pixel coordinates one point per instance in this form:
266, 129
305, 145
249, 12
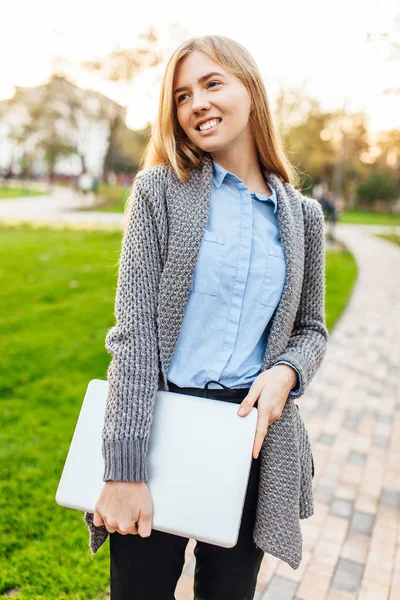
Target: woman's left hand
271, 388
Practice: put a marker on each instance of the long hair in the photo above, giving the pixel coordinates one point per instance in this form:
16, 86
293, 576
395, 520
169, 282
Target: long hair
169, 144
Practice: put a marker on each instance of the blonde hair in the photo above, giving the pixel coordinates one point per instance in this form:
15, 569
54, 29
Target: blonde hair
169, 144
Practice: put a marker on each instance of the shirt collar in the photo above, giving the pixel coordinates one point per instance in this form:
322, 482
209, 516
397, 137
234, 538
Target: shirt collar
219, 174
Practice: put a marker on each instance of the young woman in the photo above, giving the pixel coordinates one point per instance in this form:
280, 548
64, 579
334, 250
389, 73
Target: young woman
220, 292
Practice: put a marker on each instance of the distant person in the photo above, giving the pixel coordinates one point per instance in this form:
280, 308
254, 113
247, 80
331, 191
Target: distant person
95, 185
112, 178
85, 185
85, 182
330, 211
9, 173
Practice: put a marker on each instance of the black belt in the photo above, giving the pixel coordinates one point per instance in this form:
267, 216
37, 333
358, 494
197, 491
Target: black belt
228, 394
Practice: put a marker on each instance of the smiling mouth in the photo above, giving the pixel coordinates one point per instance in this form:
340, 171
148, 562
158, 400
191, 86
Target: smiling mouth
208, 128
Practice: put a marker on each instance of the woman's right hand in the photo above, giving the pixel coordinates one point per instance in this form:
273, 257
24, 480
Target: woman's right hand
121, 504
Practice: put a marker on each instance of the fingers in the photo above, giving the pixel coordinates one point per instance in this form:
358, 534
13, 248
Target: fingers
261, 432
263, 419
268, 412
124, 527
262, 422
134, 529
113, 525
145, 524
247, 404
127, 528
141, 527
97, 520
252, 396
125, 508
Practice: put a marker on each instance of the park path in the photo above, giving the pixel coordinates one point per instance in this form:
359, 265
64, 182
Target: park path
352, 412
60, 207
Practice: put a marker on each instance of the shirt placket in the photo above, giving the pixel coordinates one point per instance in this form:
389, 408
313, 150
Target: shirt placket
239, 285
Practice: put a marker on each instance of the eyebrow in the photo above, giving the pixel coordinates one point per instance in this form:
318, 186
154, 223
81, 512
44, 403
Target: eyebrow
200, 80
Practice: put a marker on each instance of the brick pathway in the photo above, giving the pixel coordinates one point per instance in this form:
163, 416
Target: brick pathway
352, 411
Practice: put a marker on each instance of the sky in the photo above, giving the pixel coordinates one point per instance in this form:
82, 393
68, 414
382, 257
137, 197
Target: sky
319, 46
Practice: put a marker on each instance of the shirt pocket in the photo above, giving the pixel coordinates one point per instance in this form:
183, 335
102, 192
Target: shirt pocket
207, 273
274, 278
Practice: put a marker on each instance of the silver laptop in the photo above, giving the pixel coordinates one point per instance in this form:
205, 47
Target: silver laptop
199, 459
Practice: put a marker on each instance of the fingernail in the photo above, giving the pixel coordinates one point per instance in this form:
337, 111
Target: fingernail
241, 411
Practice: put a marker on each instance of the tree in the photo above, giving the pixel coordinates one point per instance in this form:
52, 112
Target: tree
378, 185
388, 147
57, 119
325, 145
122, 66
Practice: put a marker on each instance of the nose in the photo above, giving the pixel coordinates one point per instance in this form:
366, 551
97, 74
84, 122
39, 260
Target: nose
200, 102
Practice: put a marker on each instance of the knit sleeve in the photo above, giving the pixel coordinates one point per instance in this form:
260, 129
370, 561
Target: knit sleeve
134, 369
297, 386
308, 341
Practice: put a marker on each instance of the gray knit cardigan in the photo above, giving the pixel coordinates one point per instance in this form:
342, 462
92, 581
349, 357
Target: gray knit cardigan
162, 237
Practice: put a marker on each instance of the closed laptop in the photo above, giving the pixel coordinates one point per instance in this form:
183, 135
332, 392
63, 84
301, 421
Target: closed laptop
199, 459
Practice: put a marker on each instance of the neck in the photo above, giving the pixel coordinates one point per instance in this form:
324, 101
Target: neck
241, 159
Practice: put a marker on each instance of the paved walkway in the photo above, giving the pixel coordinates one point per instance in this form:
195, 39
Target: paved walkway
352, 412
60, 208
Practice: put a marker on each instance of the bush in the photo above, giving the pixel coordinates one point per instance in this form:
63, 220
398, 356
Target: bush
379, 185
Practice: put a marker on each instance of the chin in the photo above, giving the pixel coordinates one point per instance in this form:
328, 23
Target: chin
212, 146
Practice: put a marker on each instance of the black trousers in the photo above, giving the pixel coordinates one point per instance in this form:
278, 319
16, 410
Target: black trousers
149, 568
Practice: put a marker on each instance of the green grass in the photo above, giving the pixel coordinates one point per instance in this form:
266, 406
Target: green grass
391, 237
57, 304
7, 193
341, 274
363, 217
58, 289
112, 198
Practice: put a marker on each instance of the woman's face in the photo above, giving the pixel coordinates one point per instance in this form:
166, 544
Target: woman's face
204, 91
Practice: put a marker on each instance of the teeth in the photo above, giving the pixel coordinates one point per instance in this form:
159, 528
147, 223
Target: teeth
209, 124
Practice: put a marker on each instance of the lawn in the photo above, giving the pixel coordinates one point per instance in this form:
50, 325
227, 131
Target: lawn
8, 193
112, 198
58, 289
341, 274
391, 237
363, 217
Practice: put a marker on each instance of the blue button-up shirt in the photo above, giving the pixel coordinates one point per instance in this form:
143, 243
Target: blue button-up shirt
237, 284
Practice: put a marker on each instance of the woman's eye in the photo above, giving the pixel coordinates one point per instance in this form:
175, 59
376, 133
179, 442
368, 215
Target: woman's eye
182, 96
